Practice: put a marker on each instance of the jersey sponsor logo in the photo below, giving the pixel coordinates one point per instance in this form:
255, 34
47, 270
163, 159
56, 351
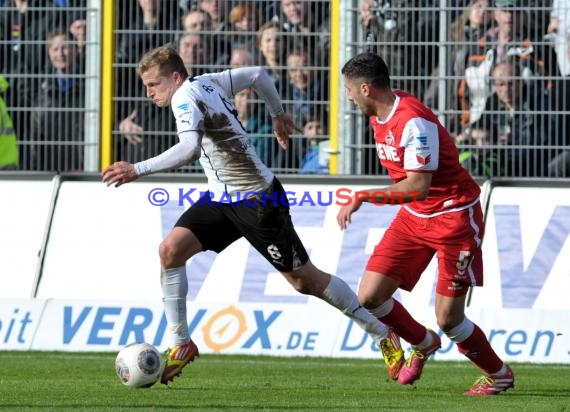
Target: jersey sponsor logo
422, 140
184, 106
386, 152
423, 160
186, 117
276, 256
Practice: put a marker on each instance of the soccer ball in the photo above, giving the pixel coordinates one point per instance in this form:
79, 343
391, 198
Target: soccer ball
139, 365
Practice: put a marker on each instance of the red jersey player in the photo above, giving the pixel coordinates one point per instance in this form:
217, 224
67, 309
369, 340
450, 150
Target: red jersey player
442, 215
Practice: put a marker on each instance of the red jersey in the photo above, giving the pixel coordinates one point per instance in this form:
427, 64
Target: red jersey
413, 140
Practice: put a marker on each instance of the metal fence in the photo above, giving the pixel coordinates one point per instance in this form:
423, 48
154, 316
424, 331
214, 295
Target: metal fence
505, 102
289, 38
52, 89
496, 73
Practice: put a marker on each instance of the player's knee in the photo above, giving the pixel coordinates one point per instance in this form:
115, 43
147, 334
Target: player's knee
169, 255
448, 321
302, 286
370, 299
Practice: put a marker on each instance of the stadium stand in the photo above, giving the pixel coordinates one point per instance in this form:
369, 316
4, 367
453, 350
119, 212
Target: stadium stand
444, 52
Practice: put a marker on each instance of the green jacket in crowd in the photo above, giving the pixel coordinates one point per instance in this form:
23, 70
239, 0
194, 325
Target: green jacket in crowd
8, 147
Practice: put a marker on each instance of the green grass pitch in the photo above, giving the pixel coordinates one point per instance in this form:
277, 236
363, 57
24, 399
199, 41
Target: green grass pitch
43, 381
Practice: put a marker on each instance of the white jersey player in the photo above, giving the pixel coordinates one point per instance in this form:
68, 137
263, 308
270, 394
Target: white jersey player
209, 130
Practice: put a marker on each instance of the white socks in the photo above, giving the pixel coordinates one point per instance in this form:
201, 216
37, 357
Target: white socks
383, 310
461, 332
174, 290
341, 296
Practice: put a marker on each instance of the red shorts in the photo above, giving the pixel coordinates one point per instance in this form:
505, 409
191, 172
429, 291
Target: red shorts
410, 242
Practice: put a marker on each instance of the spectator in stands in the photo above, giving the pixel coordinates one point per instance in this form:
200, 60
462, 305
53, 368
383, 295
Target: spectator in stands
196, 21
398, 31
215, 43
142, 33
510, 37
23, 26
242, 57
306, 86
520, 118
192, 50
257, 125
559, 166
8, 148
306, 22
270, 45
315, 130
217, 10
559, 29
141, 139
481, 156
78, 29
305, 89
214, 24
244, 19
149, 27
465, 32
57, 127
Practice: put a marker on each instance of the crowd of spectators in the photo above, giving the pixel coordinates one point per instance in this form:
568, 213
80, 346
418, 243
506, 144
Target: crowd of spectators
506, 76
506, 70
212, 35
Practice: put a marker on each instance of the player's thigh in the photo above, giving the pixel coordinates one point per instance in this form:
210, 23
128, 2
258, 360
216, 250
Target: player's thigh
209, 223
402, 254
268, 227
180, 243
460, 258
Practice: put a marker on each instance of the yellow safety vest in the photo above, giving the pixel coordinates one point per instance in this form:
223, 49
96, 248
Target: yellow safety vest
8, 147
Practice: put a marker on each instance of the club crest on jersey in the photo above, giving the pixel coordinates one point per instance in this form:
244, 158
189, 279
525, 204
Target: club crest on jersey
423, 160
390, 139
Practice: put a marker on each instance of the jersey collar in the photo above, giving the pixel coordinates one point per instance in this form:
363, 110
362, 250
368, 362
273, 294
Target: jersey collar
394, 107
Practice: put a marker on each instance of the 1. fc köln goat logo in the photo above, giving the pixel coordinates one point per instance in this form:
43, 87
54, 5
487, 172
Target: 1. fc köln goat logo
423, 160
390, 139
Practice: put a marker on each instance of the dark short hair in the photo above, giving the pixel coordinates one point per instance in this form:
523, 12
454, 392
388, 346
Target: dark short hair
166, 58
369, 67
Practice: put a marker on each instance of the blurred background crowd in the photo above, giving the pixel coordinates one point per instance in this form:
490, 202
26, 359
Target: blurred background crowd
497, 73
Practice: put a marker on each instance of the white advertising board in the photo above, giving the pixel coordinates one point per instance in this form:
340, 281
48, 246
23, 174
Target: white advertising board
101, 277
19, 321
526, 250
24, 209
311, 329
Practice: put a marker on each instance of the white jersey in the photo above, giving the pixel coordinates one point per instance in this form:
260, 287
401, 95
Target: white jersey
204, 106
208, 129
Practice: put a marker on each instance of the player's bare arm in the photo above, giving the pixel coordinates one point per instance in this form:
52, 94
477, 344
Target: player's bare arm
119, 173
413, 188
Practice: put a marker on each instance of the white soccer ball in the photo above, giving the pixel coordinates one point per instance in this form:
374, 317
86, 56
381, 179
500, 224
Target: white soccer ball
139, 365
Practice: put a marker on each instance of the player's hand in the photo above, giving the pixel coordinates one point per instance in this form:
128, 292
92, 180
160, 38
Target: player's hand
283, 126
130, 129
345, 213
119, 173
